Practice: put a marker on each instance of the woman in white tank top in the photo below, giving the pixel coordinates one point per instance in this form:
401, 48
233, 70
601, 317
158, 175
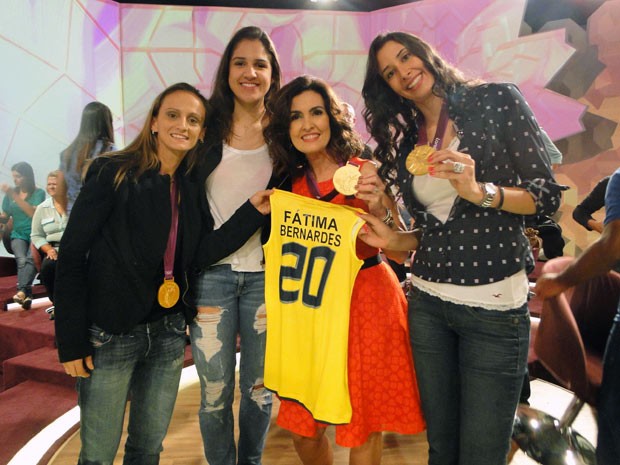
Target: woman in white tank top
230, 294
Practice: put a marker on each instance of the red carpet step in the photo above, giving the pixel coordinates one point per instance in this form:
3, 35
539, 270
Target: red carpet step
37, 389
38, 365
23, 331
28, 408
43, 365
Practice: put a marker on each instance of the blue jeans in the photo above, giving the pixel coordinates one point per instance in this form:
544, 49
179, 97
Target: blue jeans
239, 300
26, 270
470, 364
144, 364
608, 443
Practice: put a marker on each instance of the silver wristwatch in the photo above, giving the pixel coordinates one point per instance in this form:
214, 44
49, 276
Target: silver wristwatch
490, 191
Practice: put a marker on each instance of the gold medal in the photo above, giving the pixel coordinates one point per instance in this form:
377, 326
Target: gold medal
417, 160
168, 293
345, 179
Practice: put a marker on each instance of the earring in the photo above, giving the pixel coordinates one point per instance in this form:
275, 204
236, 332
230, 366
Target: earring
201, 140
152, 132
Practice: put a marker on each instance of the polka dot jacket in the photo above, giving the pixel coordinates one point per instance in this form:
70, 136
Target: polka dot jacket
497, 128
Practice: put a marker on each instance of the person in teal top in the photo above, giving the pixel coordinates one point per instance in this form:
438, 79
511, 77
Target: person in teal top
19, 205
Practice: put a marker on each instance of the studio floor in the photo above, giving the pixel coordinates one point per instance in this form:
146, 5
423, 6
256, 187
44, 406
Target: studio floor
183, 445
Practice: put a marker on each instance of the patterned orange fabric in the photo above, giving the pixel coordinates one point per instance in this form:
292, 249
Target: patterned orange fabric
383, 389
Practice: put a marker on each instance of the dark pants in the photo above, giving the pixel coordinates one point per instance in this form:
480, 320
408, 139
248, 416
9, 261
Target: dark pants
47, 275
470, 364
608, 443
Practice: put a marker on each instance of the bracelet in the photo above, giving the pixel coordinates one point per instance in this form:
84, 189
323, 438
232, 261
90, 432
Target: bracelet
501, 198
388, 219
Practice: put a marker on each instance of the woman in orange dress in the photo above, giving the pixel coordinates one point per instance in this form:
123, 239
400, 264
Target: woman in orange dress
309, 139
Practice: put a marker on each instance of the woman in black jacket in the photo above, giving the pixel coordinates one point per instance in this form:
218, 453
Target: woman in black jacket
122, 302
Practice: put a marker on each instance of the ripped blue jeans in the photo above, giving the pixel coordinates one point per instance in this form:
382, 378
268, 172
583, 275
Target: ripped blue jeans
238, 308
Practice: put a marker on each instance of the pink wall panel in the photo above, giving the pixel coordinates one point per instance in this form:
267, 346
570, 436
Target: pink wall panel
65, 53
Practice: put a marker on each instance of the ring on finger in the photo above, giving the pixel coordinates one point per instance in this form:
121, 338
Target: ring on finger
458, 167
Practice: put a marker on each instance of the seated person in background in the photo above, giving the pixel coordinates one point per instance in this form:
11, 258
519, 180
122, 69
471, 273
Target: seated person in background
600, 257
594, 201
48, 223
19, 204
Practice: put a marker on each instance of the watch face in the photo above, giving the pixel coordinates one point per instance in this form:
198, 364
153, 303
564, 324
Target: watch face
490, 189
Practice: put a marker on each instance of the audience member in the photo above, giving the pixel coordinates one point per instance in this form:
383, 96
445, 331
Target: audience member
602, 256
468, 160
309, 141
554, 155
230, 294
349, 115
121, 296
593, 202
48, 223
18, 205
96, 136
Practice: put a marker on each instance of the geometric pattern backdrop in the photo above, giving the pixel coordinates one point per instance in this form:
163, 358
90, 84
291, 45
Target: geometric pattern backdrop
59, 55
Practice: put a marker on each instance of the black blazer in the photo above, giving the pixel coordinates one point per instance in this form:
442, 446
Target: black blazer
110, 267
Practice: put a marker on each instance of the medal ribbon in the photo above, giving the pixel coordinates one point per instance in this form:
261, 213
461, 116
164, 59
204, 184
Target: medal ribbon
172, 235
441, 128
314, 187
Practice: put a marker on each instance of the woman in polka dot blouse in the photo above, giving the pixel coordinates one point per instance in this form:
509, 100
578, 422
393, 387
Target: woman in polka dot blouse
468, 311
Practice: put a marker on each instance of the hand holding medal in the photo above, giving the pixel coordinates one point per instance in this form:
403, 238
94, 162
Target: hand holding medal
346, 177
417, 160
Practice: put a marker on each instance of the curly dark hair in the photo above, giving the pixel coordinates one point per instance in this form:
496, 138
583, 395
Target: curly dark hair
390, 117
219, 119
344, 141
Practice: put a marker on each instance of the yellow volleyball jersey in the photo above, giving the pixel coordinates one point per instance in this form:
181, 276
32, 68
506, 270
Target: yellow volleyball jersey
311, 266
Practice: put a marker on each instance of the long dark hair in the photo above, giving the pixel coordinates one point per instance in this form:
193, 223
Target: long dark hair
343, 143
388, 116
27, 173
96, 124
222, 100
141, 154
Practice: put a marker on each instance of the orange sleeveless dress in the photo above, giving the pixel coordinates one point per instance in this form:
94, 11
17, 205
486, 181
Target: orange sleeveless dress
382, 384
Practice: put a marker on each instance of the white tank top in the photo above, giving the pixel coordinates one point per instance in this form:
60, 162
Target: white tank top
238, 176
